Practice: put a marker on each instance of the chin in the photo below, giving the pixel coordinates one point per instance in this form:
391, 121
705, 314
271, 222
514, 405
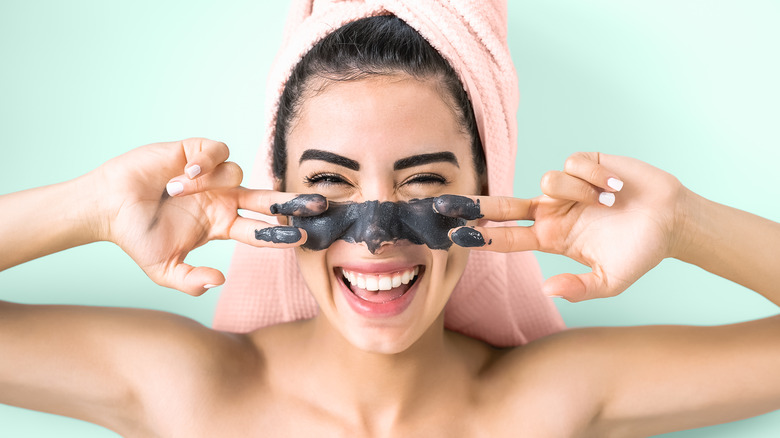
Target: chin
387, 302
387, 343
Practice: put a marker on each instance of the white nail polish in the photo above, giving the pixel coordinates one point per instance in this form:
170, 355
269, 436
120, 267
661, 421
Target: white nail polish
209, 286
194, 171
607, 198
615, 184
174, 188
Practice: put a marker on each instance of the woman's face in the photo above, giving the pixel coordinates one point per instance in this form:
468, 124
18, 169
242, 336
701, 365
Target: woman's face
368, 140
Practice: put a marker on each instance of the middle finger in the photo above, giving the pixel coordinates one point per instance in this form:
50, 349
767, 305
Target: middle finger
494, 208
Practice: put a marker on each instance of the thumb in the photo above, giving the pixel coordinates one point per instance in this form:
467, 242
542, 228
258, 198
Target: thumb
189, 279
578, 287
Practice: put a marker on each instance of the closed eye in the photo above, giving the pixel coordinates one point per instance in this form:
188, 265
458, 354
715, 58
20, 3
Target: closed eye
427, 178
323, 179
331, 179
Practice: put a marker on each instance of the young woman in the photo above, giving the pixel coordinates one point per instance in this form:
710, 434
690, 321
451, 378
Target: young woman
370, 366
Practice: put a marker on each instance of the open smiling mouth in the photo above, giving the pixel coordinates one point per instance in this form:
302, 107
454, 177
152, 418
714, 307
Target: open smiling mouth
379, 288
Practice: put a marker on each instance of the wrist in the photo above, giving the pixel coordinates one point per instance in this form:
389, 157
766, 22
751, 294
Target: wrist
89, 210
690, 225
44, 220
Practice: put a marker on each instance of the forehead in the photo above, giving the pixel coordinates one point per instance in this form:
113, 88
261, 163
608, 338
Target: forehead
394, 115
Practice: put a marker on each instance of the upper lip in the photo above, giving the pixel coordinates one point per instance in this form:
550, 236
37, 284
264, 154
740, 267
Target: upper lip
374, 267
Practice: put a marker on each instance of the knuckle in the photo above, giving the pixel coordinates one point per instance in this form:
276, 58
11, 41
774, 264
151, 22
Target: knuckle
199, 184
571, 163
589, 156
548, 180
504, 209
191, 146
224, 152
217, 150
193, 141
595, 174
587, 193
234, 173
264, 199
510, 240
533, 206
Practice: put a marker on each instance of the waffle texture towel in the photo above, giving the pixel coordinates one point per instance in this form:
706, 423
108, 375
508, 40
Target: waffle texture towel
499, 297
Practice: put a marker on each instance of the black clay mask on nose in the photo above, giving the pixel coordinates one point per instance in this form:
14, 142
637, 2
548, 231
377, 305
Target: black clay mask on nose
374, 223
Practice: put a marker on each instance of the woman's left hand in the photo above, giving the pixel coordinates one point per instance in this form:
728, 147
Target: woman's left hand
617, 215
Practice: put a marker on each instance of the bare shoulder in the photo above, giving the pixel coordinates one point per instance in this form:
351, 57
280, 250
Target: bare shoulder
634, 381
194, 347
214, 382
180, 369
132, 370
552, 386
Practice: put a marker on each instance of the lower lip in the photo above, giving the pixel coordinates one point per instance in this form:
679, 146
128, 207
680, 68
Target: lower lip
379, 310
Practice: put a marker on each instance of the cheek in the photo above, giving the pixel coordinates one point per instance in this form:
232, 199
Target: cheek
313, 266
447, 268
456, 263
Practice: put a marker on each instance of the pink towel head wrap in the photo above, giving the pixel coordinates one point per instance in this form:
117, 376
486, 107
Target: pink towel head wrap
498, 298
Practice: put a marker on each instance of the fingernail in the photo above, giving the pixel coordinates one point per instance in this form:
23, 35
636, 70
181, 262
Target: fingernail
301, 205
468, 237
457, 206
555, 296
615, 184
607, 198
278, 234
209, 286
174, 188
192, 171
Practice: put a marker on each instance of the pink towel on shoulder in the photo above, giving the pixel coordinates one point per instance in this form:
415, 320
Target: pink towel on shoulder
499, 297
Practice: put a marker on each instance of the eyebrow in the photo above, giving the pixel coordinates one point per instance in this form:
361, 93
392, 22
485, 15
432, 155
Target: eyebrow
330, 157
419, 160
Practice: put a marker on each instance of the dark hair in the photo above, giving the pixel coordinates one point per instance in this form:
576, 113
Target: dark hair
372, 46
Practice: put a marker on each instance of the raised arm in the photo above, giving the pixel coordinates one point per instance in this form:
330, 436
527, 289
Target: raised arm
117, 367
731, 243
621, 217
642, 381
672, 378
46, 220
158, 203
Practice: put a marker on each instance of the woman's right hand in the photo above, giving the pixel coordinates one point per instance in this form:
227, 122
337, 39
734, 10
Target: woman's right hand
163, 200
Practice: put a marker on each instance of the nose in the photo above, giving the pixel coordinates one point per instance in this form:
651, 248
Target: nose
375, 185
377, 225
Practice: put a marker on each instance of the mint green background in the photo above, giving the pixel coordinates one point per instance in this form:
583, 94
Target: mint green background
689, 86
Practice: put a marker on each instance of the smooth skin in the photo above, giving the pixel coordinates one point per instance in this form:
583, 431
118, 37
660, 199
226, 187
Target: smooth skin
621, 243
145, 373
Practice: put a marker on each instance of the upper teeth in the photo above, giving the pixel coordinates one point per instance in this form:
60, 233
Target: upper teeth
373, 282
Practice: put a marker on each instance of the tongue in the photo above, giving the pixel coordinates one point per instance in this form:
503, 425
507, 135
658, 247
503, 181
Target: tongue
380, 296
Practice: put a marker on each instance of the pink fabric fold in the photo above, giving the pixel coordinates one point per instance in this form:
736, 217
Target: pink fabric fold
499, 297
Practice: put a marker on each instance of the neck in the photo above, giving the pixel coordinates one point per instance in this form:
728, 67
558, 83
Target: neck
377, 387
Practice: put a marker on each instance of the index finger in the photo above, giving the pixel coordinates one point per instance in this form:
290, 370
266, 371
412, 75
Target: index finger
494, 208
271, 202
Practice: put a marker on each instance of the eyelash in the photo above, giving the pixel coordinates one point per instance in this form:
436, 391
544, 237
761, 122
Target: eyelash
323, 178
331, 178
428, 178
